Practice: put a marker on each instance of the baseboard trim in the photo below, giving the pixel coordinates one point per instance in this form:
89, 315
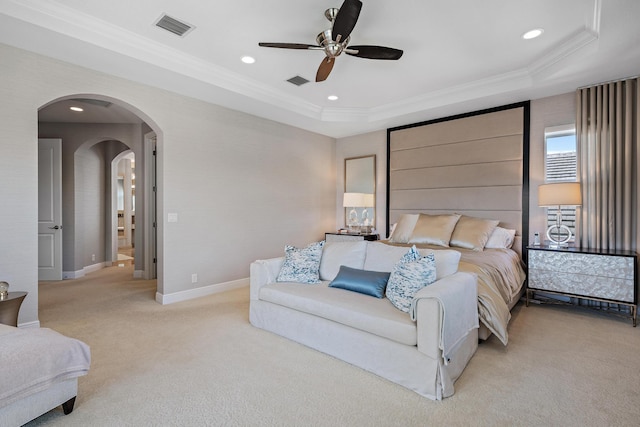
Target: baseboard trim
138, 274
201, 292
86, 270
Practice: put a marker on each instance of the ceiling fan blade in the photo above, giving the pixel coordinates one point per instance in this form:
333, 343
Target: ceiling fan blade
346, 20
290, 45
374, 52
325, 68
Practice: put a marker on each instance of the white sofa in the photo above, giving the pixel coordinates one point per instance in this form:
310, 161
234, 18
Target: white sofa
426, 355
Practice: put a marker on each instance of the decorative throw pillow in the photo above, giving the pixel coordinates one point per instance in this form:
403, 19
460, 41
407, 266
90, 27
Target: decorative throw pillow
434, 229
403, 229
501, 238
301, 265
472, 233
371, 283
411, 274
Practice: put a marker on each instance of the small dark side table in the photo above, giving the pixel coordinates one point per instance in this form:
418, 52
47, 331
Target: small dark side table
10, 307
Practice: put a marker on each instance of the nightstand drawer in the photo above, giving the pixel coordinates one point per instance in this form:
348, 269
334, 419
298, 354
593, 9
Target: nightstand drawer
586, 264
608, 288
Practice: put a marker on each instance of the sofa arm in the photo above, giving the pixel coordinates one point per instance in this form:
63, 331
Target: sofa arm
445, 312
263, 272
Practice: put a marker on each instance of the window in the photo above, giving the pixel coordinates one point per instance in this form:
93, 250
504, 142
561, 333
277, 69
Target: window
561, 165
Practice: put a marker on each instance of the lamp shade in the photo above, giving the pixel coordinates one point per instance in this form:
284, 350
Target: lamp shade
559, 193
353, 200
368, 200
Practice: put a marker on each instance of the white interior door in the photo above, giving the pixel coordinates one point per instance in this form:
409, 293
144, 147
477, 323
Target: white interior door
49, 209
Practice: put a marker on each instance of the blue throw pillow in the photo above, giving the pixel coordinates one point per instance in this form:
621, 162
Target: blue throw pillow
301, 265
365, 282
410, 275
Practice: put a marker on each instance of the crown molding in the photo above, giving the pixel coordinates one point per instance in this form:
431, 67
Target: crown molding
57, 17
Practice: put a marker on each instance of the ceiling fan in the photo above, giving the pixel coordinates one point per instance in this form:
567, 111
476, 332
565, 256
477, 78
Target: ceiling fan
336, 40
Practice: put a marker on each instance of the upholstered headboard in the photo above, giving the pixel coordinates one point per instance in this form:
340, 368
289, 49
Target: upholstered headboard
475, 164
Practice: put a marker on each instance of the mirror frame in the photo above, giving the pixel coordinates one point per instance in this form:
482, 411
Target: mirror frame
363, 186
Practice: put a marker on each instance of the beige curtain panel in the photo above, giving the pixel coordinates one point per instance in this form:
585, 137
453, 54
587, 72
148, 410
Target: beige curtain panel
607, 131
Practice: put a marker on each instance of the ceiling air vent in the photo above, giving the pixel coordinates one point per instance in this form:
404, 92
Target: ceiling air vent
298, 81
173, 25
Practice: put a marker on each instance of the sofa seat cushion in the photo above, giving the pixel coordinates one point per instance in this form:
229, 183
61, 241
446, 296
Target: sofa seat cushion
374, 315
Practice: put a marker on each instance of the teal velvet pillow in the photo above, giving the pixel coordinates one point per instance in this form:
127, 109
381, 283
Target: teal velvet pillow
371, 283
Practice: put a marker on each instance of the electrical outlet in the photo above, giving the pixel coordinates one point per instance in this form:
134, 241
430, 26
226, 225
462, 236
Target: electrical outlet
194, 278
93, 257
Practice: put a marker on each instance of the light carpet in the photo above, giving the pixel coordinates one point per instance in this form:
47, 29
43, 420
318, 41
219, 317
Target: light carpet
200, 363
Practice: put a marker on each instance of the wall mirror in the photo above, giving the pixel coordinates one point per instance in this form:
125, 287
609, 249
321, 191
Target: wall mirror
360, 190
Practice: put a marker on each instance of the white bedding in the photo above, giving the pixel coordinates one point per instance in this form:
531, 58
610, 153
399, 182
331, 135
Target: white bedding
34, 359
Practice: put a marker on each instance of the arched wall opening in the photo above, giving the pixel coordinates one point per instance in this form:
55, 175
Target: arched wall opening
111, 129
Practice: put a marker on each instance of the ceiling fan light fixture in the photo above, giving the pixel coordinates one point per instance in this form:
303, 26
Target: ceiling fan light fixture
532, 34
335, 40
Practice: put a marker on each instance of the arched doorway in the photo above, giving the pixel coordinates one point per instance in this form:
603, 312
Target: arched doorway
123, 184
93, 139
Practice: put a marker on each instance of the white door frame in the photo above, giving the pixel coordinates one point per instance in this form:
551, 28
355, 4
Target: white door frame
150, 207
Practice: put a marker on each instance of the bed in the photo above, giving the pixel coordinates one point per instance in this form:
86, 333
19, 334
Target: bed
475, 165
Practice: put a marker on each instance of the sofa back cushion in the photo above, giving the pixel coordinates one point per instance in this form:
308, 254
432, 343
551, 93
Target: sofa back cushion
383, 257
335, 254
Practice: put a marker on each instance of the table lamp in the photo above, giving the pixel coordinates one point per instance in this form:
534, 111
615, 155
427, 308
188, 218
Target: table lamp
353, 201
559, 194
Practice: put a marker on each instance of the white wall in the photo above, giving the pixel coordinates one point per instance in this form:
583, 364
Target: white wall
242, 186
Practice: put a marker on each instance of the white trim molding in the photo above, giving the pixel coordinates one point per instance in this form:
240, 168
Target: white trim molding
201, 292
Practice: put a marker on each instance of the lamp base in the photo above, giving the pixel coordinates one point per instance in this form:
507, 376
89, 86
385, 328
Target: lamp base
554, 234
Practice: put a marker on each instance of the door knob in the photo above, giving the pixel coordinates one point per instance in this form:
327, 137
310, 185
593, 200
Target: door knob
56, 227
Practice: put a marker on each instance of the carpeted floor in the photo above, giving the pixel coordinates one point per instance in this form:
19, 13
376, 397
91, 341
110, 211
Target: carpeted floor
200, 363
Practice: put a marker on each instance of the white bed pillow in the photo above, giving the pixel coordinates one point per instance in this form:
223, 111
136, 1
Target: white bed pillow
335, 254
383, 257
501, 238
403, 230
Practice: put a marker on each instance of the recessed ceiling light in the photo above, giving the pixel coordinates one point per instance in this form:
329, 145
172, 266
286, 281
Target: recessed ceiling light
332, 98
76, 109
248, 59
532, 34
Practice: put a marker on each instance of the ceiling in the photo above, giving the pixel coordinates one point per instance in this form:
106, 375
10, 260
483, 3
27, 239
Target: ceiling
459, 56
